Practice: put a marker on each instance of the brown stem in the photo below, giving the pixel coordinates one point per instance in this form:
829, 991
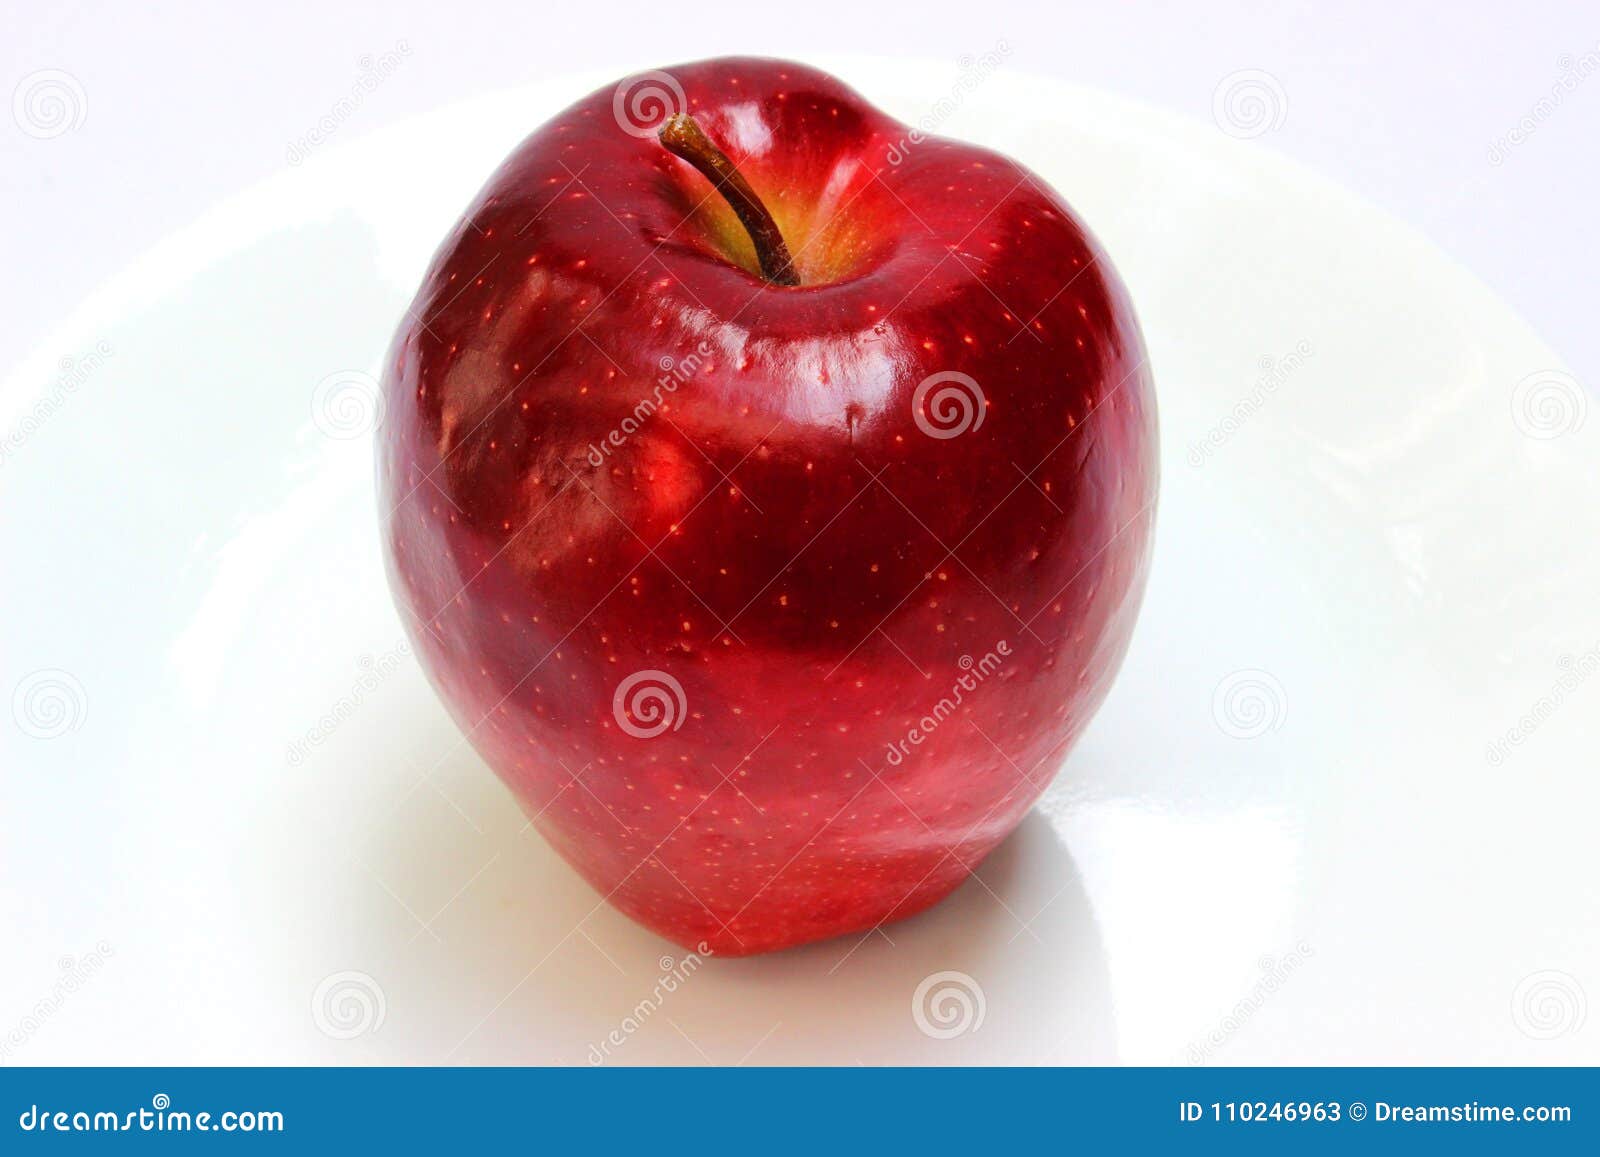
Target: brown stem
682, 137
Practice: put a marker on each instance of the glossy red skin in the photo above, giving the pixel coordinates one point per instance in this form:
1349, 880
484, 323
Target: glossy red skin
782, 538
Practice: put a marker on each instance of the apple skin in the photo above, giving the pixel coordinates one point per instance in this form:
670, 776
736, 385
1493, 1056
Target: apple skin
885, 640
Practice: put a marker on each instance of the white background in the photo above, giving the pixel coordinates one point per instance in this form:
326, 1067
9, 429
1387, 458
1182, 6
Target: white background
187, 103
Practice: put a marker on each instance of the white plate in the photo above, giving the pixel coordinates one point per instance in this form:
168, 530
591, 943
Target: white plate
1283, 839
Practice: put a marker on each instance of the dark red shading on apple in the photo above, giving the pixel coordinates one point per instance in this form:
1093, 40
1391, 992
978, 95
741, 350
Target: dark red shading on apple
777, 607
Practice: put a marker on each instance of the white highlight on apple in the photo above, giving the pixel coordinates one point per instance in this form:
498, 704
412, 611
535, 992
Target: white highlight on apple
1247, 704
649, 703
49, 704
1249, 103
49, 103
1549, 1004
348, 1004
644, 102
948, 1004
948, 404
1548, 403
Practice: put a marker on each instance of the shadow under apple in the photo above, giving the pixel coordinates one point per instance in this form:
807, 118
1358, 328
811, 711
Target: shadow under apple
498, 953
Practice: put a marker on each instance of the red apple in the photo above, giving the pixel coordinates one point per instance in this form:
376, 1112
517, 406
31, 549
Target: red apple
771, 538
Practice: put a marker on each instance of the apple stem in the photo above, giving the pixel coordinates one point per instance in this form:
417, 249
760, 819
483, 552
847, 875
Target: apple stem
682, 137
